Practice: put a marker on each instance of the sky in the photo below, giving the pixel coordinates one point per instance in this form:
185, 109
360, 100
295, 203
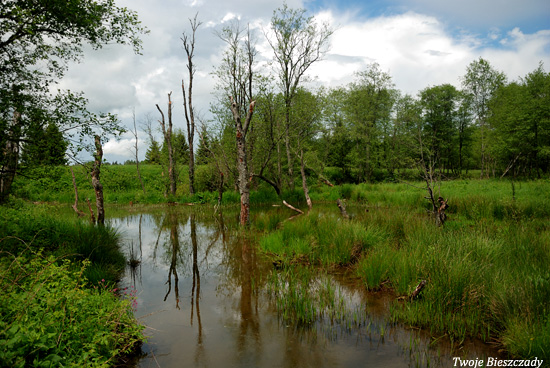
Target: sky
420, 43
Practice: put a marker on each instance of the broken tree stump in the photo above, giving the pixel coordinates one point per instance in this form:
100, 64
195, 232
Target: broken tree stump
342, 208
418, 289
441, 216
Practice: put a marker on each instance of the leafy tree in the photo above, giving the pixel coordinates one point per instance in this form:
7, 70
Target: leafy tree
403, 139
37, 39
336, 144
297, 41
306, 117
368, 109
520, 118
480, 83
439, 105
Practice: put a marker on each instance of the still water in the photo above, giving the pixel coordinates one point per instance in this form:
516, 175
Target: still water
202, 295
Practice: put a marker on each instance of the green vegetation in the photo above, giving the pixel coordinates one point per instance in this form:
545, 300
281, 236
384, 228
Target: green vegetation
486, 269
58, 302
51, 316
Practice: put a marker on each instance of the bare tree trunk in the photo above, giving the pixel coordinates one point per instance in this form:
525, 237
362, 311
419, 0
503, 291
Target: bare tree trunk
220, 189
167, 132
287, 145
242, 167
279, 165
189, 47
240, 62
304, 180
75, 205
98, 187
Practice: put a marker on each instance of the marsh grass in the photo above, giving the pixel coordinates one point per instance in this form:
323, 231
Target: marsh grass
321, 239
487, 268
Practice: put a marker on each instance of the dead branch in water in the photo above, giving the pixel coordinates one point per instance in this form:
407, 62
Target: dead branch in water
293, 208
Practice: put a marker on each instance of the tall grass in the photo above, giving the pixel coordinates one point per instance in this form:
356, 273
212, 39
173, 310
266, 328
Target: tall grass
36, 228
321, 239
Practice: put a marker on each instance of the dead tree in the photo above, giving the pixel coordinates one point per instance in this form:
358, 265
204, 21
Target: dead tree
167, 133
432, 180
96, 183
75, 205
242, 165
293, 208
189, 47
135, 133
236, 73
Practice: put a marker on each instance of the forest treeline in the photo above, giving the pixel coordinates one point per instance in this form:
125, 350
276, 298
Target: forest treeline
370, 131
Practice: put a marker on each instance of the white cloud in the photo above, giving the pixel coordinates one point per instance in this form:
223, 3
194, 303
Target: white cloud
418, 51
414, 48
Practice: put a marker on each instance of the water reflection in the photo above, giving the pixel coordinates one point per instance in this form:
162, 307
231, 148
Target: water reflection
201, 293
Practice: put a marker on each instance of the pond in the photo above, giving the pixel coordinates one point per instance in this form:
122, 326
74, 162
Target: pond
203, 293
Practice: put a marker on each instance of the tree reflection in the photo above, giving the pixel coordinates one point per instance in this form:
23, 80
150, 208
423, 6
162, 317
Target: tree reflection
175, 251
249, 315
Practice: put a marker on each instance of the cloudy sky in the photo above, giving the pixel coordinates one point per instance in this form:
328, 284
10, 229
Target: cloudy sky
420, 43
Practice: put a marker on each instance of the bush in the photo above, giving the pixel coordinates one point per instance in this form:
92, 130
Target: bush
50, 318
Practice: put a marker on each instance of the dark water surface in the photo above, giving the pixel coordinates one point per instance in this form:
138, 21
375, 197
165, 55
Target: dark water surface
202, 294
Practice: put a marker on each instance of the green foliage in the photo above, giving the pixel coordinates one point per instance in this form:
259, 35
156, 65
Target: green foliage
520, 118
51, 316
34, 227
152, 155
45, 146
202, 156
206, 178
